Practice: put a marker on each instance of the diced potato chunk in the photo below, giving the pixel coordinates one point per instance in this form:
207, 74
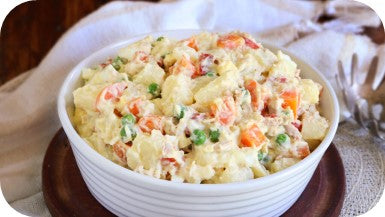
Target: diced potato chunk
259, 170
234, 174
285, 67
200, 82
178, 53
151, 73
162, 47
106, 76
83, 122
195, 173
265, 58
84, 97
206, 40
227, 67
175, 90
157, 105
142, 45
249, 67
108, 128
88, 73
310, 91
313, 143
227, 81
282, 163
314, 127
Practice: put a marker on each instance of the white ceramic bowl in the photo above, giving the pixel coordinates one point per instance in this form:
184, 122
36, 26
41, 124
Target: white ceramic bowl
127, 193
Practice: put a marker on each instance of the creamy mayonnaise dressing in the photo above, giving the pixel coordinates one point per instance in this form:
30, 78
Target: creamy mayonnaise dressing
208, 109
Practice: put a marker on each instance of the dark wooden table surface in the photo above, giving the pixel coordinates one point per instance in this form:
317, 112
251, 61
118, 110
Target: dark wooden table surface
32, 28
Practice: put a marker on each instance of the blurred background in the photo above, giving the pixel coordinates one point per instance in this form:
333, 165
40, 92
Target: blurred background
32, 28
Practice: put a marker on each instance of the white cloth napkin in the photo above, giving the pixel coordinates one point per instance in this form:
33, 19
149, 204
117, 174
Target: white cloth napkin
28, 117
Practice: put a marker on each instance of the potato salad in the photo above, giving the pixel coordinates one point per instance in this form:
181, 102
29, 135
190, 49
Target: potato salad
212, 108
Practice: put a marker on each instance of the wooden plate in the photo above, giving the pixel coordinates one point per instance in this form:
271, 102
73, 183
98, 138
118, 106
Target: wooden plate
66, 194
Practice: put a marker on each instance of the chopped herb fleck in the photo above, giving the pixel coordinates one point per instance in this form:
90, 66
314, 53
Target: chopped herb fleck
133, 133
116, 66
124, 60
118, 61
123, 133
214, 135
153, 88
263, 157
281, 138
164, 55
260, 156
128, 122
179, 111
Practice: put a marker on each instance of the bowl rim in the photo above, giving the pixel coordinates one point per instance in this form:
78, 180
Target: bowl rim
125, 174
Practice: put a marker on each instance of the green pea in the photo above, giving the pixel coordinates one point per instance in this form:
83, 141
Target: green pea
210, 74
214, 135
123, 132
128, 119
199, 137
164, 55
116, 66
133, 133
263, 157
260, 156
281, 138
123, 60
118, 61
180, 111
153, 88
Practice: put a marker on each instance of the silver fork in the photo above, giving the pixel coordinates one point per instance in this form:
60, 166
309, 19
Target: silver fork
364, 101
